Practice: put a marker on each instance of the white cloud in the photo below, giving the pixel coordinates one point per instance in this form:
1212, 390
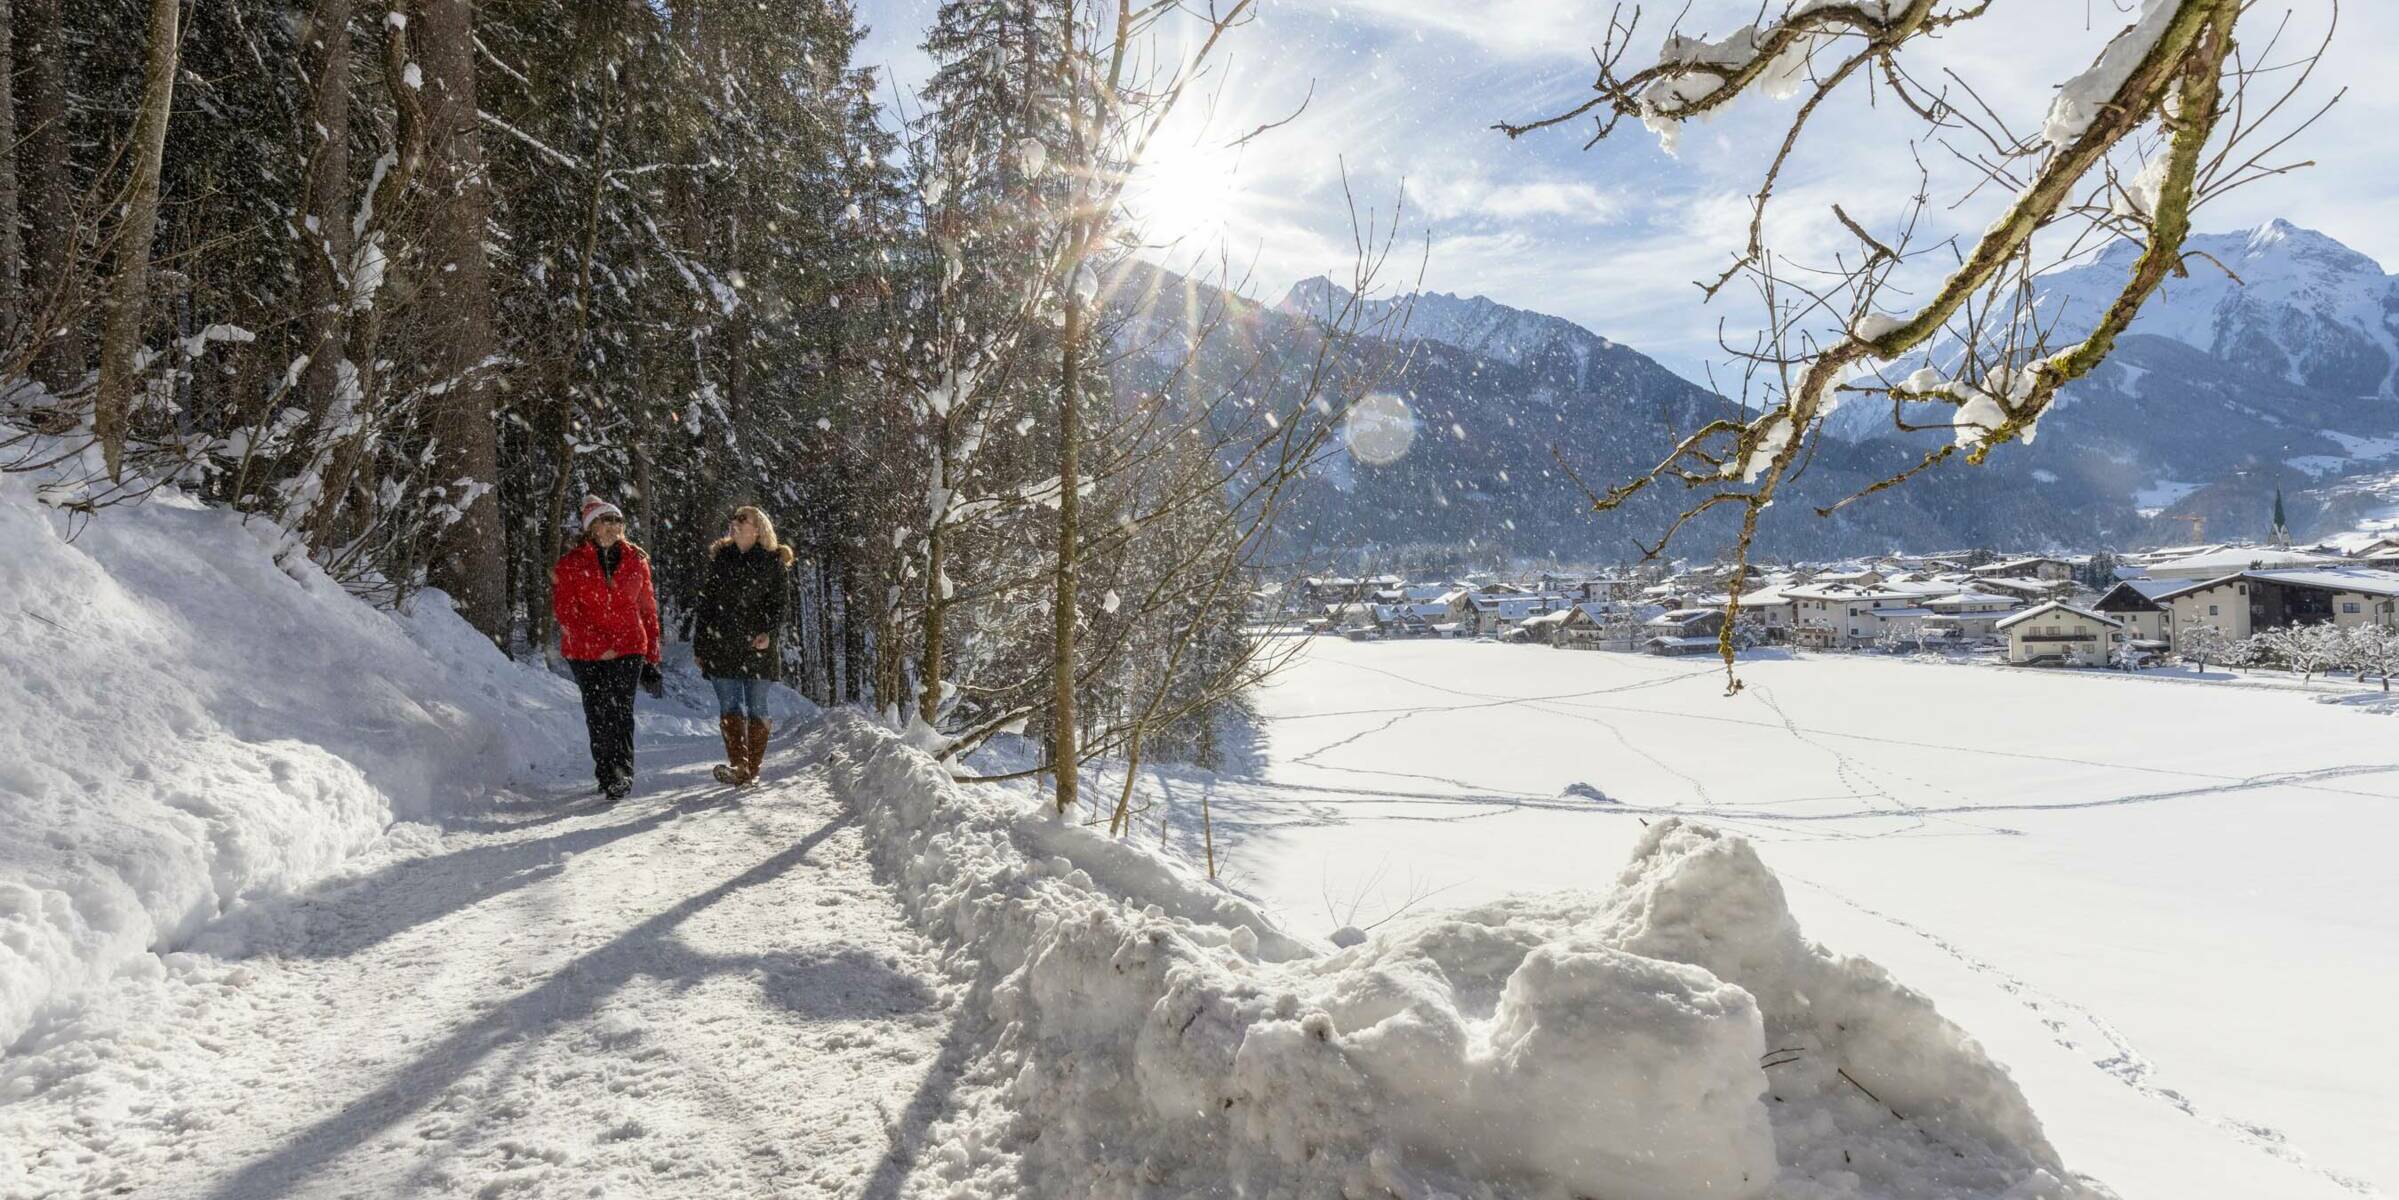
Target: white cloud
1514, 28
1476, 196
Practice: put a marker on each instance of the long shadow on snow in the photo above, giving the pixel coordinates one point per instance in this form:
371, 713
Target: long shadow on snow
350, 916
931, 1100
849, 985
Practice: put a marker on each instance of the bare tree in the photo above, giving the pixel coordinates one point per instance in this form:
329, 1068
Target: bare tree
1110, 123
2092, 172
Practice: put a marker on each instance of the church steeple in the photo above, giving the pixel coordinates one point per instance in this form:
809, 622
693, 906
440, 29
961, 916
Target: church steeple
2281, 536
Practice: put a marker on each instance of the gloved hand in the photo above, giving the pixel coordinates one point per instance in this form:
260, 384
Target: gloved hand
653, 682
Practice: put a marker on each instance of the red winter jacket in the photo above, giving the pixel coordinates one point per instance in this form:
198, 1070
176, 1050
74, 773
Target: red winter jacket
598, 614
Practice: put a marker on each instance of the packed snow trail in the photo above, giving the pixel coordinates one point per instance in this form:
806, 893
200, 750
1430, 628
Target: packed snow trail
695, 992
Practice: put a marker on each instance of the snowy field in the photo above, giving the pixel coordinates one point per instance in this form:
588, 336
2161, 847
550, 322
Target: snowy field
2167, 906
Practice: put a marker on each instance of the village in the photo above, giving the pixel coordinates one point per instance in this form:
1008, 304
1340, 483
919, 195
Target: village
2306, 608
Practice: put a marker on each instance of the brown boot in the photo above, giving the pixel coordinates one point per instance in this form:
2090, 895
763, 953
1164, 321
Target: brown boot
756, 746
737, 749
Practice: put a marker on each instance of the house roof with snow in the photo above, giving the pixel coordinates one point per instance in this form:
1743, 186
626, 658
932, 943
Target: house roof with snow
2018, 564
2147, 591
1682, 643
2232, 560
2365, 581
2356, 543
2019, 586
2053, 608
1829, 591
1970, 601
2155, 588
1512, 607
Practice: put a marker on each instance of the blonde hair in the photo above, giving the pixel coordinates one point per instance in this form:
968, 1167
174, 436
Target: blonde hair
766, 533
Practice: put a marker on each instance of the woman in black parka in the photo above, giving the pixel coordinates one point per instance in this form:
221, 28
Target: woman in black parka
738, 633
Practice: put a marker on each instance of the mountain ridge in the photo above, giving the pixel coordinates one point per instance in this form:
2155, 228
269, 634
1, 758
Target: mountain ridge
2222, 392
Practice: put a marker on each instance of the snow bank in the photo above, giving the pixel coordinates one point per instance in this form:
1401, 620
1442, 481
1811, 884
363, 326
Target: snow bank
192, 720
1137, 1032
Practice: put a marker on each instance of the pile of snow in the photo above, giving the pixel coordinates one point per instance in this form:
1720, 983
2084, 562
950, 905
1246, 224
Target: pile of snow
198, 716
1137, 1031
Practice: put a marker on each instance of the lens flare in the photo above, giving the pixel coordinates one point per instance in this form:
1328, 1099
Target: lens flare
1379, 429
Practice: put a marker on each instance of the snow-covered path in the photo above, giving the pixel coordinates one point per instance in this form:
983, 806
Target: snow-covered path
692, 993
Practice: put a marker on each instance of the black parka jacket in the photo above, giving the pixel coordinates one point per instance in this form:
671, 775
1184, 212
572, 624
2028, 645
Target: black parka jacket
747, 594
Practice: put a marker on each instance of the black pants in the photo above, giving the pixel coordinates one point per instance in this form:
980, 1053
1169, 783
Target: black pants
608, 713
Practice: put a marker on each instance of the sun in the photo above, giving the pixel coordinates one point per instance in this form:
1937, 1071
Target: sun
1187, 192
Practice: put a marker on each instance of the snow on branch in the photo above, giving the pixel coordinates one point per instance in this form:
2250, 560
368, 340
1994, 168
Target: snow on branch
2165, 93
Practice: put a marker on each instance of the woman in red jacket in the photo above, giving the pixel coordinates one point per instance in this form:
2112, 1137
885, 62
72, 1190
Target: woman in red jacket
607, 614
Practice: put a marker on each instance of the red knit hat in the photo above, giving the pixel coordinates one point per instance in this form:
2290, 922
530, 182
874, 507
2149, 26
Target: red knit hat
595, 508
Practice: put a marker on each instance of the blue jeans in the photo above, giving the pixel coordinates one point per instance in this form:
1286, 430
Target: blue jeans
741, 698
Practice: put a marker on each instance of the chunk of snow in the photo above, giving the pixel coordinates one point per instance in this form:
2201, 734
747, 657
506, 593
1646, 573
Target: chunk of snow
1153, 1027
2085, 96
1876, 325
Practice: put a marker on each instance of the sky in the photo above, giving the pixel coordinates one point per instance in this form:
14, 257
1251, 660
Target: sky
1399, 97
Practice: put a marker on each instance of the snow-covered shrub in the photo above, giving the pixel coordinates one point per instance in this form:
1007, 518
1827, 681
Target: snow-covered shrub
2203, 644
2303, 649
2373, 650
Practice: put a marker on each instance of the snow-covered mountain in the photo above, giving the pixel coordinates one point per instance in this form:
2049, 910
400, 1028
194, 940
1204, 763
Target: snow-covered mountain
2275, 363
2223, 393
1477, 324
2282, 302
1510, 407
2278, 300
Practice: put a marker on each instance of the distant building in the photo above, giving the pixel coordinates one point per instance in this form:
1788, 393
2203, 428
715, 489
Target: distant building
2145, 606
1968, 616
2056, 634
1495, 614
2244, 603
2026, 590
1596, 626
1843, 616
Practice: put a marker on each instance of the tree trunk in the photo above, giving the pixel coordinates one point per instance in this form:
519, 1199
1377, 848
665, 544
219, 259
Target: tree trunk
1062, 655
930, 667
322, 225
567, 413
828, 636
129, 293
855, 669
11, 276
51, 252
457, 306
